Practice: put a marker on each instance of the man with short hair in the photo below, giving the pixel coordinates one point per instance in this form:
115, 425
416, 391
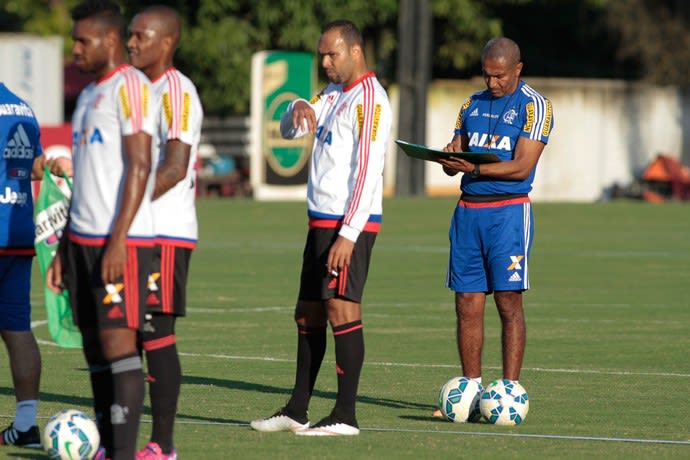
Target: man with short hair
105, 253
491, 230
153, 37
351, 119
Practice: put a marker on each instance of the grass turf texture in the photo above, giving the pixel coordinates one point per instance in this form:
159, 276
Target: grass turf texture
606, 357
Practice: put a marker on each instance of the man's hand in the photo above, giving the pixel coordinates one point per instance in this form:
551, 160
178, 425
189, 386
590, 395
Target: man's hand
113, 263
340, 255
54, 274
303, 116
61, 166
454, 165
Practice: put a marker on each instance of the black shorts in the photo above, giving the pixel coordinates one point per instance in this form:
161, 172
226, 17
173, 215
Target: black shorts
318, 285
167, 286
116, 305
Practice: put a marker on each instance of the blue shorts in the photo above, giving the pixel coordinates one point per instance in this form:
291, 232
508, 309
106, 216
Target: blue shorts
489, 246
15, 289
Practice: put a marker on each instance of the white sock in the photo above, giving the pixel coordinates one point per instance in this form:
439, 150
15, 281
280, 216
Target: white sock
477, 379
26, 414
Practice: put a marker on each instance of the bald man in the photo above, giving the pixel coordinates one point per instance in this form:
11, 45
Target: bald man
351, 118
154, 34
153, 37
491, 230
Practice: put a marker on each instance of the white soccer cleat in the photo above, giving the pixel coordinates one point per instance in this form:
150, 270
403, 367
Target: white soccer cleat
279, 421
329, 427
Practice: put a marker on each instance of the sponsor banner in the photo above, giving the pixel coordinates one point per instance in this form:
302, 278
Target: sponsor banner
279, 167
52, 209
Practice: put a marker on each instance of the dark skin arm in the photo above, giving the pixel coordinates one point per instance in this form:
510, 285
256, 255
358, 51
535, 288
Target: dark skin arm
173, 168
38, 167
340, 254
527, 153
138, 168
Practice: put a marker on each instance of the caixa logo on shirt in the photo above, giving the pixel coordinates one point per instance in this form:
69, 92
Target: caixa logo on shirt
12, 197
486, 141
87, 136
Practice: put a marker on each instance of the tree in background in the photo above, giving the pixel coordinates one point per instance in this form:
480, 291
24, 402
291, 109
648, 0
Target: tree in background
632, 39
657, 34
220, 36
223, 35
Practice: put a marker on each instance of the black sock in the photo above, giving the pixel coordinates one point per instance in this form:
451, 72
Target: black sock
164, 376
349, 357
311, 347
102, 389
128, 398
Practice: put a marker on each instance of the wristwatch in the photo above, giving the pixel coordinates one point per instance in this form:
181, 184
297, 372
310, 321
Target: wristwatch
475, 172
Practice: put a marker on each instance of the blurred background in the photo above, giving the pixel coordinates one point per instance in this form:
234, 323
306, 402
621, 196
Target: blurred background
617, 72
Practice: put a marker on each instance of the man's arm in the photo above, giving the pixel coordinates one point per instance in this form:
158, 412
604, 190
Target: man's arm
527, 153
138, 161
173, 168
37, 167
298, 120
459, 143
367, 166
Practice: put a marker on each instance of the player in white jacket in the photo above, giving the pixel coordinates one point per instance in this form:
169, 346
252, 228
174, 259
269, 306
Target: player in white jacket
351, 120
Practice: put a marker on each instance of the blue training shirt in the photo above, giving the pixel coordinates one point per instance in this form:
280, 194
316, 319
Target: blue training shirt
495, 124
20, 145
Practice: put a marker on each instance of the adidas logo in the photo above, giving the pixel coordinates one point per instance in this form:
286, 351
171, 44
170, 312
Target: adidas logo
115, 313
152, 299
475, 112
515, 277
19, 147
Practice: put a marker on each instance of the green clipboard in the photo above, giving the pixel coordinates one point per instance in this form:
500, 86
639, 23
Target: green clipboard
426, 153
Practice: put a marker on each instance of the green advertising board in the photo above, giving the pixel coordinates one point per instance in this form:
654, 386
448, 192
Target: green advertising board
278, 78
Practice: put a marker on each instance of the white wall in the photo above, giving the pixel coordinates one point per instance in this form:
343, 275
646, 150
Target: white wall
32, 69
605, 132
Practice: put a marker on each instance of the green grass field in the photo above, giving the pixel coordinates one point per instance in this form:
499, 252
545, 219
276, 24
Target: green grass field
606, 366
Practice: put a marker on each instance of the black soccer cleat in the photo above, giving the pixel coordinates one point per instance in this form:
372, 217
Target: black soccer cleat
10, 436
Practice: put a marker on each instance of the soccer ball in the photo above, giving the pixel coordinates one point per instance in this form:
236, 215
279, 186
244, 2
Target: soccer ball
504, 403
458, 400
71, 435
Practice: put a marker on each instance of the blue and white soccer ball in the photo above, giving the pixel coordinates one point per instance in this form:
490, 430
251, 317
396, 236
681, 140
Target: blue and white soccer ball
504, 403
71, 435
458, 400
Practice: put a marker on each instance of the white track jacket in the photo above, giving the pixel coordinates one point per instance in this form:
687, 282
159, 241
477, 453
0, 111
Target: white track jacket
345, 186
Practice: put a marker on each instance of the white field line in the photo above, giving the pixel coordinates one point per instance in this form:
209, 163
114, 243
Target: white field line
181, 420
533, 435
444, 432
420, 365
440, 366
